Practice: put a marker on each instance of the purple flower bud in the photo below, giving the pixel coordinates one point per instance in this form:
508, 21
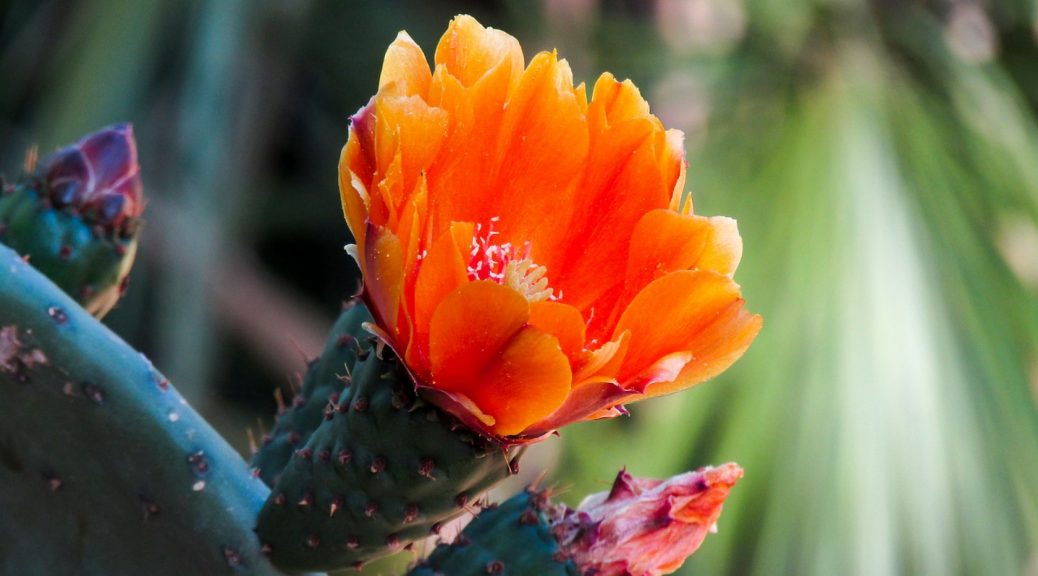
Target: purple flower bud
98, 176
643, 527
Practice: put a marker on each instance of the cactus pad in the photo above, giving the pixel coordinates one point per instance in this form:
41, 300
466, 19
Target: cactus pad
514, 538
104, 468
383, 470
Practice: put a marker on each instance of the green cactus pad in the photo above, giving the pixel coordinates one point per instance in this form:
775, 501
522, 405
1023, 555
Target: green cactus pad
104, 469
384, 470
320, 392
86, 261
511, 539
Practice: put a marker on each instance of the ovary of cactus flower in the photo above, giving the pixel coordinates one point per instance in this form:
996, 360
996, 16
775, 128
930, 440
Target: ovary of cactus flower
529, 252
644, 527
98, 176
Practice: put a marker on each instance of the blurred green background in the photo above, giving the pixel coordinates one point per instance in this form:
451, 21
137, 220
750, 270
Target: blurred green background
881, 158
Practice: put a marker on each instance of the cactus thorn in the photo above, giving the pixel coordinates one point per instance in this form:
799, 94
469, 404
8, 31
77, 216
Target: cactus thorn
313, 541
495, 567
360, 404
279, 499
426, 467
94, 393
378, 464
306, 501
344, 457
53, 481
232, 557
305, 453
371, 509
57, 314
253, 447
279, 398
31, 156
411, 512
352, 543
337, 503
325, 455
151, 509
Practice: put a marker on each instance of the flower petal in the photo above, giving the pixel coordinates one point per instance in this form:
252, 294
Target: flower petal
384, 274
562, 321
442, 271
405, 71
468, 50
671, 313
481, 347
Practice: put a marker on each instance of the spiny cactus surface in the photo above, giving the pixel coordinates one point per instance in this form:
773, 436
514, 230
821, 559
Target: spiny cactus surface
383, 470
104, 469
325, 379
514, 538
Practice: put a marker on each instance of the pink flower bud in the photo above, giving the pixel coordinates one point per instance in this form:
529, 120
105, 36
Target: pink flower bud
98, 176
644, 527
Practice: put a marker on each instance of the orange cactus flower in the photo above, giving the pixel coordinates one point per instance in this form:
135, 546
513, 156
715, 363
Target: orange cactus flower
526, 251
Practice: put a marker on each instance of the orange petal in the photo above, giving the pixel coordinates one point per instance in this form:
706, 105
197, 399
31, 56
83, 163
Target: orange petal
407, 126
619, 101
664, 241
442, 270
562, 321
480, 347
541, 152
714, 349
468, 50
668, 315
384, 276
724, 250
405, 71
622, 183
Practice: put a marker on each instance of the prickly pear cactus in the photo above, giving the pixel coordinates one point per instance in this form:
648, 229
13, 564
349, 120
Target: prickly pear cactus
384, 469
513, 538
104, 468
325, 379
75, 215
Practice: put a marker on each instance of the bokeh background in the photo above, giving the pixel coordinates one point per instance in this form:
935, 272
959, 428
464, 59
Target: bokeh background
881, 158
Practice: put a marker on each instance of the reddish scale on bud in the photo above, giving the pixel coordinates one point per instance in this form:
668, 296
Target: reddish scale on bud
98, 176
642, 526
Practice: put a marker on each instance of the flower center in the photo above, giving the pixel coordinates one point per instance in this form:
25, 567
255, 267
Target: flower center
507, 264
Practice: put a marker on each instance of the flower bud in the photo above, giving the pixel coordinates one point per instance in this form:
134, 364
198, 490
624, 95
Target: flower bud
98, 176
642, 526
